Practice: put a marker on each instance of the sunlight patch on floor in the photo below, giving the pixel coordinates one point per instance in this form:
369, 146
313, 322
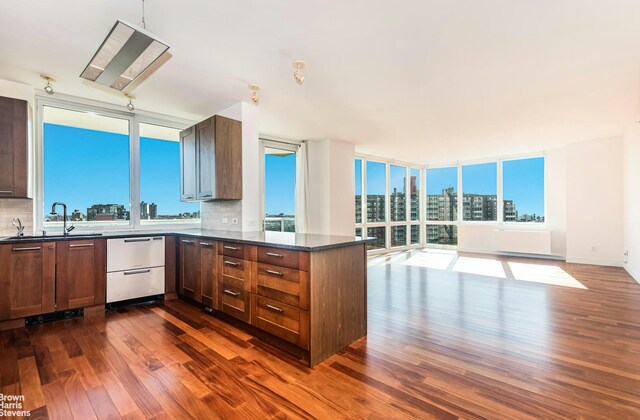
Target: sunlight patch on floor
432, 259
547, 274
481, 266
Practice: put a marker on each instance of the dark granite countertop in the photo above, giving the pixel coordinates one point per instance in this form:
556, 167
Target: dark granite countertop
285, 240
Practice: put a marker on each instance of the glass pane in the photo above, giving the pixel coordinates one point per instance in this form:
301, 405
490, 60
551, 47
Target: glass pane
442, 194
279, 189
376, 191
414, 188
479, 192
86, 166
442, 234
380, 234
397, 194
398, 235
523, 190
415, 234
358, 191
160, 178
358, 232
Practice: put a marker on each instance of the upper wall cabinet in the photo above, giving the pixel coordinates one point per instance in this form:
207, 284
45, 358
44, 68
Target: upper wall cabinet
13, 148
211, 160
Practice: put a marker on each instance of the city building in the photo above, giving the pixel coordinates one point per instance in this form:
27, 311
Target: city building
107, 212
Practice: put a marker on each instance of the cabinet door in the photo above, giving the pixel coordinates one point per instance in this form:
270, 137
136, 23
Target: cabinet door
13, 148
206, 160
228, 166
81, 270
190, 285
26, 280
188, 164
208, 274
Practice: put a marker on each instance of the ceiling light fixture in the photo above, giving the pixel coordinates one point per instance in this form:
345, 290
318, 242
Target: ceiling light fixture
297, 75
130, 106
126, 52
254, 93
48, 88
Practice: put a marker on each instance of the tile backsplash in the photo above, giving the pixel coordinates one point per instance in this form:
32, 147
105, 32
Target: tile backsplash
212, 215
21, 208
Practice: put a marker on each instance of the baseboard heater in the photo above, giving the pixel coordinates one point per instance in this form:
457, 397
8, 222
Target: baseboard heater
523, 241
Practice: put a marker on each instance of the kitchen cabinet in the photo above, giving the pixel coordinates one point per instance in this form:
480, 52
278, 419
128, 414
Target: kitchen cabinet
27, 279
211, 160
80, 273
236, 274
208, 273
13, 148
198, 271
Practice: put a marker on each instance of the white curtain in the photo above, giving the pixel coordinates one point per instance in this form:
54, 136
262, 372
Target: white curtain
302, 183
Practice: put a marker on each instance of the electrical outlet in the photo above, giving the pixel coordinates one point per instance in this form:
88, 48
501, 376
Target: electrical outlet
225, 220
234, 221
626, 256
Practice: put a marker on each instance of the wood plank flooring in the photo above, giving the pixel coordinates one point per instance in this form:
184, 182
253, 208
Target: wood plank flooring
442, 344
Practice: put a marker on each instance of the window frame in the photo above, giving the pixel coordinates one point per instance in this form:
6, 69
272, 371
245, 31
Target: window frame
108, 110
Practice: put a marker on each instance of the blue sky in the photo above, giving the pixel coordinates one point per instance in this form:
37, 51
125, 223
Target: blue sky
524, 184
85, 167
280, 184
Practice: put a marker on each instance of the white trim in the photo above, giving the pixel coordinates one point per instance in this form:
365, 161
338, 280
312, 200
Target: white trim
511, 254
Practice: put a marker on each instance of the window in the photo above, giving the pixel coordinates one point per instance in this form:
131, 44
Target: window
415, 234
380, 234
358, 174
414, 190
279, 186
86, 166
442, 234
442, 194
397, 193
160, 177
399, 235
523, 190
376, 192
479, 192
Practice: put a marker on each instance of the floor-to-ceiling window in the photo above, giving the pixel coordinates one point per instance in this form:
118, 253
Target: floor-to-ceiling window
442, 206
279, 186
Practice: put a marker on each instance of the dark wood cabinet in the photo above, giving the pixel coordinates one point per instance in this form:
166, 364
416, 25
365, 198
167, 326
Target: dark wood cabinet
208, 273
80, 273
211, 160
13, 148
27, 279
189, 284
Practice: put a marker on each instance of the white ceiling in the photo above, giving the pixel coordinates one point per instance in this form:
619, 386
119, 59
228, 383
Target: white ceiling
416, 80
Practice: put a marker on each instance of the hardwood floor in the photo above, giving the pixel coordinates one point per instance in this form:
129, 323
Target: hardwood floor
442, 343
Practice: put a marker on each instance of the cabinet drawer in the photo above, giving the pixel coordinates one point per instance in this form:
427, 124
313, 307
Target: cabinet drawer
282, 320
297, 260
235, 301
283, 284
130, 253
232, 249
130, 284
235, 267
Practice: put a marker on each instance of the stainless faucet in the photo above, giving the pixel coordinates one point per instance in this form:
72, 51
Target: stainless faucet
18, 225
66, 229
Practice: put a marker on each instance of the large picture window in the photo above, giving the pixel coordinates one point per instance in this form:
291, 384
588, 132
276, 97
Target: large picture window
358, 189
479, 192
442, 194
523, 190
376, 192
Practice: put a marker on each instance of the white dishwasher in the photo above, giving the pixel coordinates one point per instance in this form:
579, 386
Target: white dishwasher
135, 268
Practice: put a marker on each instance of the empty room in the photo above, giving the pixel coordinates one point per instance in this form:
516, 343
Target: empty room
321, 210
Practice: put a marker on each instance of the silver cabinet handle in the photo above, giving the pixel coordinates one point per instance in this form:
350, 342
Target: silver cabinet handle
129, 273
273, 308
273, 254
31, 248
80, 245
206, 244
138, 240
187, 242
205, 195
275, 273
189, 198
231, 292
233, 248
6, 192
235, 264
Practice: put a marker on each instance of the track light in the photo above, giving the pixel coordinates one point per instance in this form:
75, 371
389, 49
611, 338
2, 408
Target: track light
254, 93
48, 88
130, 106
297, 75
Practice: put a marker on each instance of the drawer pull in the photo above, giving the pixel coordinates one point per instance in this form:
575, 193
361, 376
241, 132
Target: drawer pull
206, 244
231, 292
138, 240
80, 245
232, 248
186, 241
235, 264
273, 308
275, 273
31, 248
6, 192
273, 254
129, 273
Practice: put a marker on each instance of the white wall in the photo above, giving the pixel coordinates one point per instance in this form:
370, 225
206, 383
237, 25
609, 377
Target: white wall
16, 207
594, 202
331, 204
631, 170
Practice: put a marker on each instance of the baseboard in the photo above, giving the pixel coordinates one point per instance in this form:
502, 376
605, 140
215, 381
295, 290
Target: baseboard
633, 272
511, 254
592, 261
